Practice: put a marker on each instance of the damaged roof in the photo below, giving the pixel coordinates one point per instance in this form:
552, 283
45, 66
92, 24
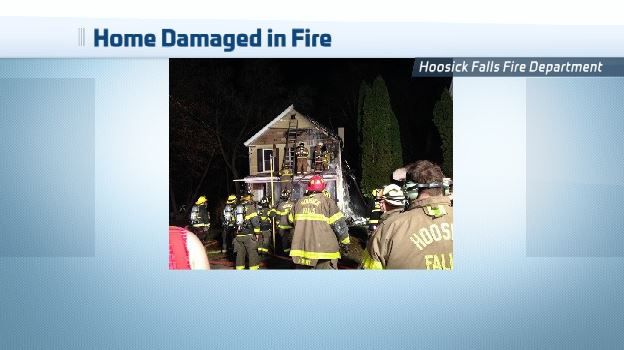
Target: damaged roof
290, 109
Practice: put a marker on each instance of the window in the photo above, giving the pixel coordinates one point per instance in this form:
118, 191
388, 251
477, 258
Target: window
266, 160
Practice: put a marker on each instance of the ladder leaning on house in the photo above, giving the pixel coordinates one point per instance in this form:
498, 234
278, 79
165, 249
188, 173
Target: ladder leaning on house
291, 143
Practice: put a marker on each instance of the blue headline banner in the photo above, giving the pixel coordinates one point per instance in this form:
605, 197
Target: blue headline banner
76, 37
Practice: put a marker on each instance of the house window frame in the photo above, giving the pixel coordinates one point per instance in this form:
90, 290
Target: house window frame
263, 160
292, 155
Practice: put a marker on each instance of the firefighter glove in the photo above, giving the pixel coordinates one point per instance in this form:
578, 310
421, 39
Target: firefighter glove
344, 248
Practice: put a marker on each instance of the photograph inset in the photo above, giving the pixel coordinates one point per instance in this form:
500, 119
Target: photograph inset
309, 164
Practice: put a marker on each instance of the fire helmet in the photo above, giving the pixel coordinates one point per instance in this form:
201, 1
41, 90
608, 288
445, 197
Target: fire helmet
285, 194
231, 199
316, 184
264, 202
201, 200
247, 196
393, 194
377, 193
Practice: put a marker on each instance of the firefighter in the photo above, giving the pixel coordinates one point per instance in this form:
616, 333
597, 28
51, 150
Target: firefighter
373, 219
326, 158
318, 157
229, 223
283, 225
302, 159
247, 230
286, 177
320, 231
266, 225
200, 218
422, 236
392, 201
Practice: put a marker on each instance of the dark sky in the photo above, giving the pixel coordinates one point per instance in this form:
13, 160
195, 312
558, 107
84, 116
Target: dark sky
413, 99
326, 90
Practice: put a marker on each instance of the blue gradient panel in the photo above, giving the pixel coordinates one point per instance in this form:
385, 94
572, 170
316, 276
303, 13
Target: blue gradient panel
575, 167
501, 298
125, 296
47, 172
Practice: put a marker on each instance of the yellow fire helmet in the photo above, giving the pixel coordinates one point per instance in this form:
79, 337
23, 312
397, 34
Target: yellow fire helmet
377, 192
201, 200
231, 199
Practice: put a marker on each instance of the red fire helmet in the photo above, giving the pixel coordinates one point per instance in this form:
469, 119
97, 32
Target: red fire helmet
316, 184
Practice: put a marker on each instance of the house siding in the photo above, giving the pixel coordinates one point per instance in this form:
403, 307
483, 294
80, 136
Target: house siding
254, 161
276, 134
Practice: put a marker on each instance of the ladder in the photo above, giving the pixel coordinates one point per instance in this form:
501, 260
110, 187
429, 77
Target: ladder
291, 143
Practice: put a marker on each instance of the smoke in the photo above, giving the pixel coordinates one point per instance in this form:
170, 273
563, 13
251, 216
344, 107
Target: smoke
354, 207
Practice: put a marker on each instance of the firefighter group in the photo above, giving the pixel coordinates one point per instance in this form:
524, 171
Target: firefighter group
321, 158
409, 227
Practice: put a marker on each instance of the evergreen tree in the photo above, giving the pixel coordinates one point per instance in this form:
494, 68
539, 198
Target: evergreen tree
443, 120
381, 138
364, 91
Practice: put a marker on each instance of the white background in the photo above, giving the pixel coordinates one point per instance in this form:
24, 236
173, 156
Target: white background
597, 12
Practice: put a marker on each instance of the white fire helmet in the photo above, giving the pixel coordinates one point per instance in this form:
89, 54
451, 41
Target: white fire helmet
393, 194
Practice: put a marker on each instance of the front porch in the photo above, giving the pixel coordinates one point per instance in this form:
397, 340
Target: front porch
261, 184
